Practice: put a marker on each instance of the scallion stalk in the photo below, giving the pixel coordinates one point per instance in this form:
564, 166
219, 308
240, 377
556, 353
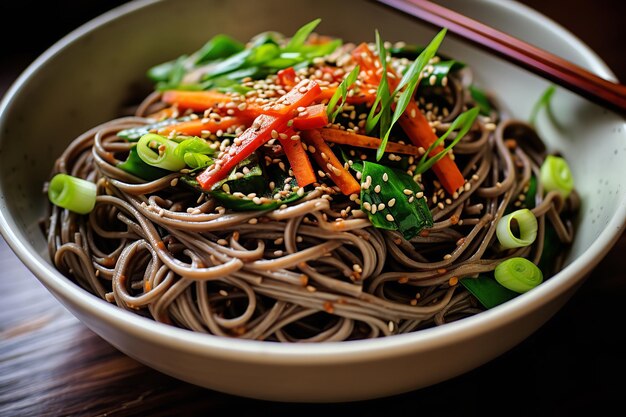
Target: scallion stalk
556, 175
518, 274
72, 193
158, 151
527, 224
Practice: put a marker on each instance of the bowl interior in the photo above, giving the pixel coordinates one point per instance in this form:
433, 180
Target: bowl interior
78, 84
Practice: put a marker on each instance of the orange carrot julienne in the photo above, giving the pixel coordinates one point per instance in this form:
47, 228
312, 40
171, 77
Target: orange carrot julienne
329, 163
298, 159
200, 101
413, 121
344, 137
312, 117
260, 132
198, 126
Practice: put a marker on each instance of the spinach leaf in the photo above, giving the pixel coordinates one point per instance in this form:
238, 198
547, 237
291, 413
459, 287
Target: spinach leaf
487, 290
388, 198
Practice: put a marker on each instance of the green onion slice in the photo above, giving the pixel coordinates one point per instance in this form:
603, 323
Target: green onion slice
556, 175
158, 151
527, 224
518, 274
75, 194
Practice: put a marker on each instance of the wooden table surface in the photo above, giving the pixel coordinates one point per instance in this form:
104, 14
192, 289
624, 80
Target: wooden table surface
52, 365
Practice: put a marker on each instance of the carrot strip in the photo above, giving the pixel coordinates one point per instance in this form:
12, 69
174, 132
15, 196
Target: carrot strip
298, 159
343, 137
326, 159
413, 121
260, 132
312, 117
198, 126
200, 101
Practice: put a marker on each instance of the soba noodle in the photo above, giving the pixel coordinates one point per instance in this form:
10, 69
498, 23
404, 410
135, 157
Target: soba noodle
314, 270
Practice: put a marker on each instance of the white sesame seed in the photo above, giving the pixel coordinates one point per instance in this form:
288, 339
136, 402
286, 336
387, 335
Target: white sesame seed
391, 202
377, 189
406, 191
389, 217
385, 177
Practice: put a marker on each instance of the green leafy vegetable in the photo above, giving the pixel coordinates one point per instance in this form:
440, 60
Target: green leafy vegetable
463, 123
391, 199
223, 62
248, 178
487, 290
340, 95
218, 47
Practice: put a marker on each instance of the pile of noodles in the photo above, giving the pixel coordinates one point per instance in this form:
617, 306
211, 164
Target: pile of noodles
307, 272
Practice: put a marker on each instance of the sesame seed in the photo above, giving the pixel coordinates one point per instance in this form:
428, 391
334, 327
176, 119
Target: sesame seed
226, 188
374, 209
391, 202
389, 217
174, 182
406, 191
377, 189
300, 192
381, 206
253, 220
419, 194
440, 205
367, 206
385, 177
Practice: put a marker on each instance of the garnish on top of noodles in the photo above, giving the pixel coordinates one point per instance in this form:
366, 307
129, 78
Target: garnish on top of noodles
379, 137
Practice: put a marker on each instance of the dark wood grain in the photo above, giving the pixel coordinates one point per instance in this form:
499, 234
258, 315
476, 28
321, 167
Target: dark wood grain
52, 365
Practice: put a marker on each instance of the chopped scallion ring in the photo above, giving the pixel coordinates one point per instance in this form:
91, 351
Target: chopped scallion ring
527, 225
158, 151
556, 175
518, 274
75, 194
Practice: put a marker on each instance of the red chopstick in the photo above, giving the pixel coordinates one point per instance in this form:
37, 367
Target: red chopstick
558, 70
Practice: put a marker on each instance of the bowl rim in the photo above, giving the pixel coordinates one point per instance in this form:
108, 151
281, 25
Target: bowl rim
311, 354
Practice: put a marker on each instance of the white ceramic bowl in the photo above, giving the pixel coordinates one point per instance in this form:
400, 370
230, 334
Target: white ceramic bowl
86, 77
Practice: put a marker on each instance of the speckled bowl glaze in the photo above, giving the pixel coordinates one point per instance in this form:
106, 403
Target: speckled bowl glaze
102, 66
